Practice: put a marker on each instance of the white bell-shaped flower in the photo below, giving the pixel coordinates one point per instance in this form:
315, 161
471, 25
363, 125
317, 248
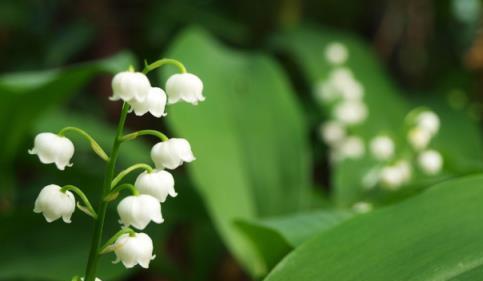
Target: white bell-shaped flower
336, 53
158, 184
133, 249
430, 162
393, 176
351, 112
128, 86
186, 87
172, 153
52, 148
382, 147
332, 132
139, 210
351, 147
428, 121
419, 138
54, 203
155, 103
326, 92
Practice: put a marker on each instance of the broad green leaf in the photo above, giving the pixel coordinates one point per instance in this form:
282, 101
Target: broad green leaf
276, 237
433, 236
299, 227
25, 96
248, 136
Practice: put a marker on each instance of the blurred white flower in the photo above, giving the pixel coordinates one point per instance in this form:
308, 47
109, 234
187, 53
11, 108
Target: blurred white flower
97, 279
351, 112
428, 121
393, 176
172, 153
54, 203
430, 162
326, 92
419, 138
371, 178
362, 207
332, 132
186, 87
154, 103
52, 148
336, 53
351, 147
134, 249
382, 147
128, 86
158, 184
139, 210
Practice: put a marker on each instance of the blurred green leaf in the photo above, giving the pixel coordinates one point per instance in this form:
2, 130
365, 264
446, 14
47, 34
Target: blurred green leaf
433, 236
25, 96
40, 251
249, 138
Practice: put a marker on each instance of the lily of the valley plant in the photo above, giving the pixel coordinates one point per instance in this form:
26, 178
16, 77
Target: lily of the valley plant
152, 186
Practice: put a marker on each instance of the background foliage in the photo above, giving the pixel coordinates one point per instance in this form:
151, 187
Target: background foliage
262, 201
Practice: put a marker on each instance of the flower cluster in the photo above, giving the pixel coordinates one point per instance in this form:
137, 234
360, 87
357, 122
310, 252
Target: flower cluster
152, 186
343, 95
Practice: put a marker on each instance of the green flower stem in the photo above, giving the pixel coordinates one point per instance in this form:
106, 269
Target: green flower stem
99, 226
115, 191
88, 209
155, 133
94, 145
125, 172
150, 67
107, 247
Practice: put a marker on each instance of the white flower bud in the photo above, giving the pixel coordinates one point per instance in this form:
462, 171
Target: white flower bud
139, 210
154, 103
419, 138
336, 53
430, 162
132, 250
55, 204
186, 87
428, 121
172, 153
52, 148
128, 86
351, 147
382, 147
158, 184
362, 207
332, 132
351, 112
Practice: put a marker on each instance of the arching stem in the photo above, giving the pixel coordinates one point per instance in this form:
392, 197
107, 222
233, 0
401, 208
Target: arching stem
157, 64
94, 145
125, 172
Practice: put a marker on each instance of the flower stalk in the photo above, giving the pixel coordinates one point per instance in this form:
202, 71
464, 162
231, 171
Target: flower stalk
94, 145
99, 226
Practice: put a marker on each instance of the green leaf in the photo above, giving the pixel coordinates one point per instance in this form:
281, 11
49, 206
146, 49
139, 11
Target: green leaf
248, 136
433, 236
276, 237
25, 96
